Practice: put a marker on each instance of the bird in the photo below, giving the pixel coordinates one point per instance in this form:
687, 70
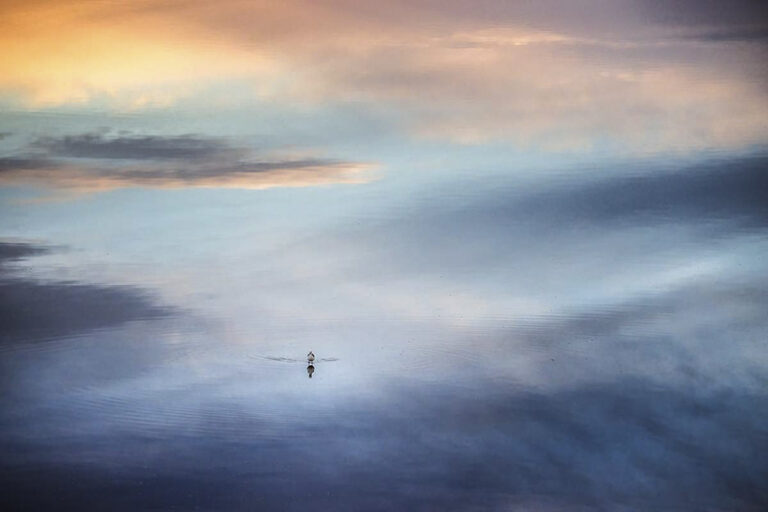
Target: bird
310, 370
310, 357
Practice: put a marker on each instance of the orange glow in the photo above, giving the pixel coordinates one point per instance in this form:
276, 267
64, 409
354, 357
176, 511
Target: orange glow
81, 179
448, 77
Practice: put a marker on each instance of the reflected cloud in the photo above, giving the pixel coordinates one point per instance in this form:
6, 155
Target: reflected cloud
97, 162
16, 251
729, 191
645, 75
100, 146
608, 225
32, 310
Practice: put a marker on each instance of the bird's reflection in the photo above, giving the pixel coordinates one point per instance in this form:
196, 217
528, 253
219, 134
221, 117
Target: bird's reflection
310, 364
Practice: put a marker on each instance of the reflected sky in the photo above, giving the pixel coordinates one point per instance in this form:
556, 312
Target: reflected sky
524, 240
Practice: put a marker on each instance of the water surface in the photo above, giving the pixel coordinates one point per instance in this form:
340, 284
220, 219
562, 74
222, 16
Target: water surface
542, 290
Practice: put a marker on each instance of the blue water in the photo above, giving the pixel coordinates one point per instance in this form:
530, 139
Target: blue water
580, 342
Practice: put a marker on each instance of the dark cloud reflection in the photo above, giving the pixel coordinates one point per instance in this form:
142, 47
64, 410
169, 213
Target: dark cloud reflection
150, 147
729, 190
93, 162
34, 310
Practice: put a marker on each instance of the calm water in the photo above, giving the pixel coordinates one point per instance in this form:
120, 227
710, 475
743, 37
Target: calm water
558, 308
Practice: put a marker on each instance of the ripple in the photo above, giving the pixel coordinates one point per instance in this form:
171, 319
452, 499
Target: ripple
280, 359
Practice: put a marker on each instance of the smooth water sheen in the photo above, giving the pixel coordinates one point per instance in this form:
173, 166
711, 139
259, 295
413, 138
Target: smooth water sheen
540, 290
